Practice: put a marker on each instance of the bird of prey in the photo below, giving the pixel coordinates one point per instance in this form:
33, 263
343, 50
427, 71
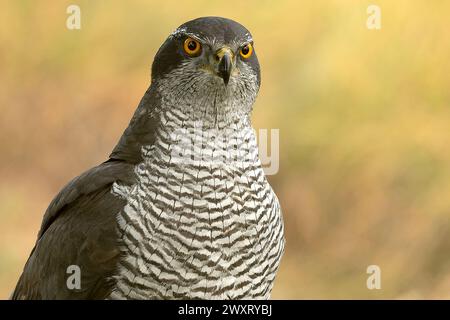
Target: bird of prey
182, 208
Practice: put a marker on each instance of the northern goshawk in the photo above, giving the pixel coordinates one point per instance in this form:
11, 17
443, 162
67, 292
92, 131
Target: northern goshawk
182, 207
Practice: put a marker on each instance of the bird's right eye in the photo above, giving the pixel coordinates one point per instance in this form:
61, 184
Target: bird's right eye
192, 47
246, 51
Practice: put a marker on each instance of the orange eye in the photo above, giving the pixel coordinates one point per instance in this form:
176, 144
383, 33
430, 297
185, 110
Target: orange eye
246, 51
192, 47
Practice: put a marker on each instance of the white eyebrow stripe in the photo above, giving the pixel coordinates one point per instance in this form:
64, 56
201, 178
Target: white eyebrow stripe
183, 31
239, 44
248, 37
178, 31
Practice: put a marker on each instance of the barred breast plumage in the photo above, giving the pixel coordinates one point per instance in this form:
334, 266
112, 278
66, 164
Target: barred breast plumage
202, 228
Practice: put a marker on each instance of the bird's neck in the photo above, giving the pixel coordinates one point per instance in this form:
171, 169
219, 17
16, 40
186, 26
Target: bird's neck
185, 139
165, 117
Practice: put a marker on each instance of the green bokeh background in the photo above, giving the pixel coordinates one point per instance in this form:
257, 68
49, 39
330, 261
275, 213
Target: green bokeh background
364, 121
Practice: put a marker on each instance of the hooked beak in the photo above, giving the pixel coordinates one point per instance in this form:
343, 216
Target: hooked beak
225, 56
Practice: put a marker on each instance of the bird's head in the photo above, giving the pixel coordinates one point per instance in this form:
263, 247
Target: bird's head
206, 63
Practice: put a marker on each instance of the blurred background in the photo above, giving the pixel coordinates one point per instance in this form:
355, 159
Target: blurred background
364, 118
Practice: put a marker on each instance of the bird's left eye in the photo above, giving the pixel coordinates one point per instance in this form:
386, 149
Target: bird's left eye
246, 51
192, 47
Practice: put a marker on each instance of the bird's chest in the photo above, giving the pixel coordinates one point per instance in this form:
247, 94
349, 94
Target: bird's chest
201, 220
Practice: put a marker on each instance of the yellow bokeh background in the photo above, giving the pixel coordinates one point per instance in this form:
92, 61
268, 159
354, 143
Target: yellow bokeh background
364, 118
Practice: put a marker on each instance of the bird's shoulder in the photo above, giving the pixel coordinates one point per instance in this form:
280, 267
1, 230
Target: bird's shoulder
89, 182
78, 229
141, 130
126, 154
79, 226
